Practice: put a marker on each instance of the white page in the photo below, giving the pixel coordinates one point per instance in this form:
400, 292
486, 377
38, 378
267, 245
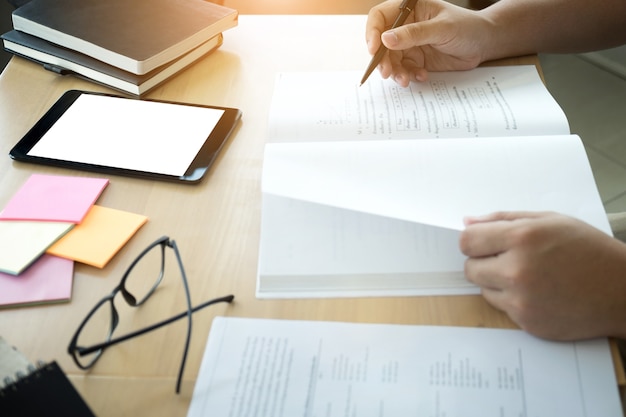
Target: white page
130, 134
275, 368
438, 182
486, 101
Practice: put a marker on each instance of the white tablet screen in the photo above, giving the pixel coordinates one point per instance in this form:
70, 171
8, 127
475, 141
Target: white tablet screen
131, 134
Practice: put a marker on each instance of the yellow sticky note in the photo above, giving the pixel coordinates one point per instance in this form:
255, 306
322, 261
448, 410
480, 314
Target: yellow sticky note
23, 242
102, 233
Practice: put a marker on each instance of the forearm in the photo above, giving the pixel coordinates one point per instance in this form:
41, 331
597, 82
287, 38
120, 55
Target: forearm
521, 27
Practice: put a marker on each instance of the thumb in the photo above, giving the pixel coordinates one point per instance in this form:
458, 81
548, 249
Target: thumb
502, 215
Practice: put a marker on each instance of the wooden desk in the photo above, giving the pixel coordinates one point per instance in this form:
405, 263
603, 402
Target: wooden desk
215, 223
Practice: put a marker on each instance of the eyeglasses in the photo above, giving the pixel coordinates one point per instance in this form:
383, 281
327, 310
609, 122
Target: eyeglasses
138, 283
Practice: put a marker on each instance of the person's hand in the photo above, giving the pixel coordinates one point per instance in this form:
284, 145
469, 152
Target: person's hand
437, 36
555, 276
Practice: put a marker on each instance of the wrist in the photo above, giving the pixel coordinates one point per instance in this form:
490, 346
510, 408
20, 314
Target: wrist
501, 37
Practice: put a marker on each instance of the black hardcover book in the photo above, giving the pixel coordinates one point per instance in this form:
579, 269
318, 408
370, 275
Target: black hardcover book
65, 61
134, 35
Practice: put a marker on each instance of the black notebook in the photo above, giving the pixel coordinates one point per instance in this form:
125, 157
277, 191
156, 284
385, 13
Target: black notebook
65, 61
136, 36
36, 391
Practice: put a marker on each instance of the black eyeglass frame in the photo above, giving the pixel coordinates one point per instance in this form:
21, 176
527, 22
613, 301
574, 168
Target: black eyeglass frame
74, 350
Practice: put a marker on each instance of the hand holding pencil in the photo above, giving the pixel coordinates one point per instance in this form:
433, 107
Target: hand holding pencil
410, 38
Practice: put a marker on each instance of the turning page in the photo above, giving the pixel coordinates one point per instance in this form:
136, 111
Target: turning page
486, 101
276, 368
383, 218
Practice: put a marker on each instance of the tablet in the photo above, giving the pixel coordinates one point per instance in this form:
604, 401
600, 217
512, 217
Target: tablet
127, 136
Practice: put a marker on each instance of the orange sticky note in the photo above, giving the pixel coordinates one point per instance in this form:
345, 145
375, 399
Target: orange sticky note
103, 232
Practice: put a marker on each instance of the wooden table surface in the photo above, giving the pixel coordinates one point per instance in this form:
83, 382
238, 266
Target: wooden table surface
215, 223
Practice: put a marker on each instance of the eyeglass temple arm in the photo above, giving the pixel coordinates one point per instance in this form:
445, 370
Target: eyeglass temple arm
87, 350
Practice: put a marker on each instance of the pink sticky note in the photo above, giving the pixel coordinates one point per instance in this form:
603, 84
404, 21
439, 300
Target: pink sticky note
47, 280
54, 198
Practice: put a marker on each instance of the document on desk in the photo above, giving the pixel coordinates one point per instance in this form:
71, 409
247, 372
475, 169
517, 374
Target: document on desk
275, 368
383, 218
486, 101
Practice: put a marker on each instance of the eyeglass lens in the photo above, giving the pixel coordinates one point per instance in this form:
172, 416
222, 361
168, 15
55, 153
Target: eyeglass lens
140, 281
145, 274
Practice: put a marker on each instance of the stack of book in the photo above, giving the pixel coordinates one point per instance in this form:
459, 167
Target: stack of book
130, 45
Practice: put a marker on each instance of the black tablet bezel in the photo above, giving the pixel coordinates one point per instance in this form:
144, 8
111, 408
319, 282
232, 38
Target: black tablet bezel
196, 171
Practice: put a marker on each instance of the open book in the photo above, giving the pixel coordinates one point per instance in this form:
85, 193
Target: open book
349, 218
314, 368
